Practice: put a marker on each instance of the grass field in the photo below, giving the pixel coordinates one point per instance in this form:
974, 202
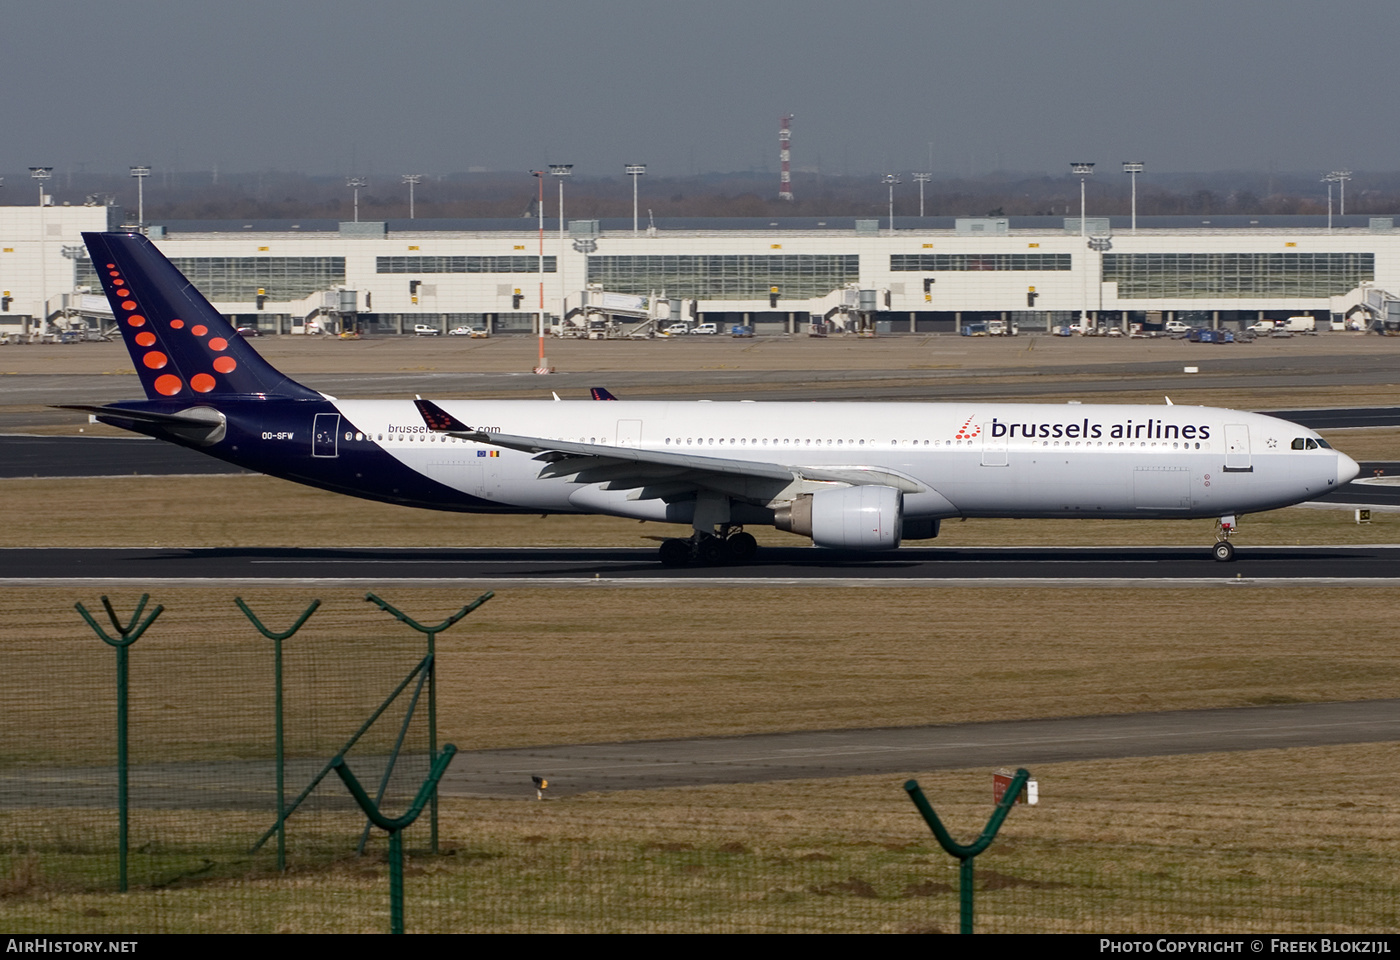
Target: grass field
558, 665
1270, 842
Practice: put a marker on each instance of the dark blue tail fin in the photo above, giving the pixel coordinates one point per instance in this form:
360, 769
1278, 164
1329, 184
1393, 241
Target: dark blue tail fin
181, 346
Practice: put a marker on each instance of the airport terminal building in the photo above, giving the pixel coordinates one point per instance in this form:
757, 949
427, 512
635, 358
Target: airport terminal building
927, 275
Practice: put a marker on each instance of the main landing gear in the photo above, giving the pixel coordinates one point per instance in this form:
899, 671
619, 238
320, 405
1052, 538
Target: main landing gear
1224, 550
733, 545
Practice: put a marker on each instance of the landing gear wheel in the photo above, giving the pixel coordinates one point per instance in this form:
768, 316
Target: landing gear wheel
675, 553
1223, 551
710, 551
740, 547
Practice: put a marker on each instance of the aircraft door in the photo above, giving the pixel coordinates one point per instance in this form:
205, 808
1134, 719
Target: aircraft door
629, 433
1237, 458
325, 434
993, 448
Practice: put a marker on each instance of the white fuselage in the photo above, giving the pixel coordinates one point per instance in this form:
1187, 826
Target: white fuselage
966, 459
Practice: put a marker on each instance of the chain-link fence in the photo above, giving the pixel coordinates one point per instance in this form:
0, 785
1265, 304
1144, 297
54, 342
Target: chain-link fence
761, 857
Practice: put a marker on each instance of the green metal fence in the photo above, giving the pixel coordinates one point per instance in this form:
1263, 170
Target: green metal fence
841, 856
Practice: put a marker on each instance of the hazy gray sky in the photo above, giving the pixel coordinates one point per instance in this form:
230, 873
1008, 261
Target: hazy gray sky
434, 86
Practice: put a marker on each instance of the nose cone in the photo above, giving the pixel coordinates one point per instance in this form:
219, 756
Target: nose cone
1347, 469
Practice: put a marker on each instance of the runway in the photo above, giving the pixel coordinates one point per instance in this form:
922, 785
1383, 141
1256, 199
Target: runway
774, 566
38, 456
758, 758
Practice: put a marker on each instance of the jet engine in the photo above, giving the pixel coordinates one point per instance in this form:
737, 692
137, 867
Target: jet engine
852, 518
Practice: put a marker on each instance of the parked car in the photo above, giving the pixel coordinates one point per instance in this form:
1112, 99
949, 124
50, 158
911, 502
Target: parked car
246, 332
676, 330
1177, 326
425, 330
460, 332
741, 330
1262, 326
706, 329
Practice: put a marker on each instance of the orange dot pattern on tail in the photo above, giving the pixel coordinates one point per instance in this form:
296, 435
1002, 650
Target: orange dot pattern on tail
158, 356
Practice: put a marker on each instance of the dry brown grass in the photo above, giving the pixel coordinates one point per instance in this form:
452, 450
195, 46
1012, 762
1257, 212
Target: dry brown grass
566, 665
1280, 841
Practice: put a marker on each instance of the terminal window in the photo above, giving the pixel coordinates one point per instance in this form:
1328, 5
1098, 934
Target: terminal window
934, 262
726, 277
238, 279
1145, 276
512, 264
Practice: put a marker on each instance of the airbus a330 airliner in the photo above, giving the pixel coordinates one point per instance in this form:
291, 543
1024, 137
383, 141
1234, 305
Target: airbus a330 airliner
852, 476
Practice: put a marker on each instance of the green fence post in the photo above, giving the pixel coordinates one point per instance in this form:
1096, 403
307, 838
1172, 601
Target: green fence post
354, 738
128, 635
396, 827
277, 639
431, 633
966, 853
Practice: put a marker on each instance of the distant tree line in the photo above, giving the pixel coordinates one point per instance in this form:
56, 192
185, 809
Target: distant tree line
189, 195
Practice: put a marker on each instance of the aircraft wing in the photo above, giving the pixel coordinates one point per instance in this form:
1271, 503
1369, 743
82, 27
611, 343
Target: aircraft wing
663, 473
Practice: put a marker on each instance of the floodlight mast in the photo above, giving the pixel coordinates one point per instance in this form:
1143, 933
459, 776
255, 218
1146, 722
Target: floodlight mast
1341, 177
1336, 176
41, 174
891, 181
543, 365
1083, 171
141, 172
1133, 167
561, 172
635, 170
412, 179
922, 178
355, 183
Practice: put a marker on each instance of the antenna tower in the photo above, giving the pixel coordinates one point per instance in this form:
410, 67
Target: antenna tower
785, 157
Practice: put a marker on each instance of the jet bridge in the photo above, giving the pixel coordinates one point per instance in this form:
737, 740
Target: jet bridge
1383, 309
601, 315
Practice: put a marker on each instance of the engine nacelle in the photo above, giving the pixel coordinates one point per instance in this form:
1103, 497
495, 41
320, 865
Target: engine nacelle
853, 518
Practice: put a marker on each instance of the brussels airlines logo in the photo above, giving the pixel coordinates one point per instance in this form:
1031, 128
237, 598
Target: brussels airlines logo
1151, 429
967, 431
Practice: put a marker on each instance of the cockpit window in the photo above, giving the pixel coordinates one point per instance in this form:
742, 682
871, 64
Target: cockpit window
1298, 443
1323, 444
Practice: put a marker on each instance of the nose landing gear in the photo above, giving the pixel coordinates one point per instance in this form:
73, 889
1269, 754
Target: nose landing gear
733, 545
1224, 550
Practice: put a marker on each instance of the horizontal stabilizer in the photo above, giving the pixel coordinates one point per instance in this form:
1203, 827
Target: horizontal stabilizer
199, 425
197, 417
